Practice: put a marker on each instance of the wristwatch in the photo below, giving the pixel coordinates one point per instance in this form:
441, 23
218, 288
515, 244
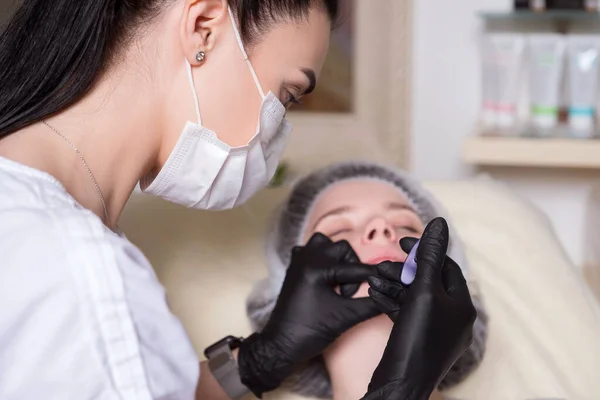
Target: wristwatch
224, 367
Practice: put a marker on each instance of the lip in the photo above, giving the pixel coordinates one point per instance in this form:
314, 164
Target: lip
385, 257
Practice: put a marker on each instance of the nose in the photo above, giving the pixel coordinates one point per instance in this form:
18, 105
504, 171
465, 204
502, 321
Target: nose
379, 231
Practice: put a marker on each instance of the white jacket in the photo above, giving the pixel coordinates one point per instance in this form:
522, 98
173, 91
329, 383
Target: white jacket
82, 314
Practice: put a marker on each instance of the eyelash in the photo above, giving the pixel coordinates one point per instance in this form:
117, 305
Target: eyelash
339, 232
293, 99
397, 228
408, 228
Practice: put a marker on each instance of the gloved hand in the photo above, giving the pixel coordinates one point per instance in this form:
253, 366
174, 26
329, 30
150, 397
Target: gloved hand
433, 320
308, 316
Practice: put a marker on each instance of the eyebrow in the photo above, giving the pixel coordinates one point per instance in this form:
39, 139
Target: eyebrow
344, 209
312, 80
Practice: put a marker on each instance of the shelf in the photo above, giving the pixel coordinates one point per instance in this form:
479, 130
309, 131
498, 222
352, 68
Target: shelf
526, 152
541, 16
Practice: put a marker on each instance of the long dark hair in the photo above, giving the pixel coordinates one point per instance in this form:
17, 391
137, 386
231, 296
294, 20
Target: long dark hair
53, 51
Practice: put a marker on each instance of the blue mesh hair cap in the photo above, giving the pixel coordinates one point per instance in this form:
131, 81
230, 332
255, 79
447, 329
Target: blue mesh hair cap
287, 229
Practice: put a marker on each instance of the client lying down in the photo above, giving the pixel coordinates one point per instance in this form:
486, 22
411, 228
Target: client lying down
372, 207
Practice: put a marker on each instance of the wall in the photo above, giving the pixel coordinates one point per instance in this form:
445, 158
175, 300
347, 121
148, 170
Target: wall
445, 104
446, 93
6, 7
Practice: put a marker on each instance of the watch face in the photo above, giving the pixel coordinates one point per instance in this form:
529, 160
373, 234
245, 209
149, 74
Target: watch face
220, 360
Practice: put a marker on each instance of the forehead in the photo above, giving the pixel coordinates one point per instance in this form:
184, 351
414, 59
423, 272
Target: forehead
358, 193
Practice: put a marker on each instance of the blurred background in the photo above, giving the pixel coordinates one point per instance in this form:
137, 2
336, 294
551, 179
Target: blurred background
403, 83
431, 97
425, 106
559, 176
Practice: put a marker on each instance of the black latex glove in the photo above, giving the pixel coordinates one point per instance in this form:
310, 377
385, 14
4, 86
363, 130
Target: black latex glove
308, 316
433, 320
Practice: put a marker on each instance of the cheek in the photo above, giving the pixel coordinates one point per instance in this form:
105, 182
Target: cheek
232, 112
270, 70
227, 95
363, 251
272, 64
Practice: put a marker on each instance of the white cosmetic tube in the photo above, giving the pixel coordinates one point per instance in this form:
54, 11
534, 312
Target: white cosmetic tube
502, 57
546, 65
583, 52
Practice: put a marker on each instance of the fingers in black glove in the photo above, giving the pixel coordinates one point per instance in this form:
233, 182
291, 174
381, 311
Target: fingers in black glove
348, 290
348, 273
387, 304
454, 281
341, 250
431, 253
433, 322
342, 269
359, 309
390, 270
407, 243
316, 240
344, 251
309, 315
386, 289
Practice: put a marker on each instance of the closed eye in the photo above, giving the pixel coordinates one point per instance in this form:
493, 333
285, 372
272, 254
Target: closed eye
338, 232
407, 228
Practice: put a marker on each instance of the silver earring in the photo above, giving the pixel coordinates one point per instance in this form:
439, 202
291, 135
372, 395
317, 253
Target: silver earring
200, 56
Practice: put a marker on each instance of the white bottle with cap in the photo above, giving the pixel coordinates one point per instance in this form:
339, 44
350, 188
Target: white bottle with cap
546, 65
583, 52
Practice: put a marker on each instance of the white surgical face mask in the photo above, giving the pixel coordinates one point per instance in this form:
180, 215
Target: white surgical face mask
203, 172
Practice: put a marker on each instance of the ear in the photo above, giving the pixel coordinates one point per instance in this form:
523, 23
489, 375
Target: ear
201, 22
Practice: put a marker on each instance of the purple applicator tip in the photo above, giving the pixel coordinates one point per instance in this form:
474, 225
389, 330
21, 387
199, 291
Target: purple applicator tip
410, 266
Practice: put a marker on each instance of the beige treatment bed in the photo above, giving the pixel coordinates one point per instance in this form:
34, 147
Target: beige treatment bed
544, 339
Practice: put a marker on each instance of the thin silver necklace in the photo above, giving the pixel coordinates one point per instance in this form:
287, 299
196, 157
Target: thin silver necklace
89, 171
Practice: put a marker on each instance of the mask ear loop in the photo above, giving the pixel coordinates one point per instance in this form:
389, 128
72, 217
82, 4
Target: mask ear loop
193, 88
241, 46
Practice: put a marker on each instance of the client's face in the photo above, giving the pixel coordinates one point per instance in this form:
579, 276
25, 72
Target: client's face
371, 215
